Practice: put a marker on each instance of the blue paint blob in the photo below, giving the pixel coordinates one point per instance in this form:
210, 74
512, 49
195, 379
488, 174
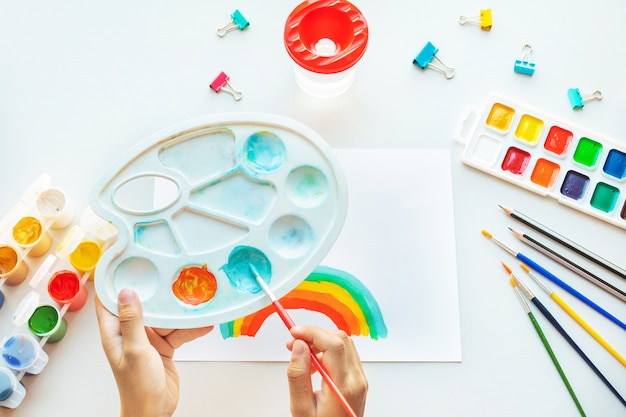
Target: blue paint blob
574, 185
1, 299
264, 152
615, 164
19, 352
6, 386
238, 268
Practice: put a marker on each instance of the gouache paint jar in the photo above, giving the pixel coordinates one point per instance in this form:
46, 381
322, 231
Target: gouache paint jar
53, 206
12, 392
46, 321
30, 235
86, 256
325, 39
12, 266
65, 287
22, 352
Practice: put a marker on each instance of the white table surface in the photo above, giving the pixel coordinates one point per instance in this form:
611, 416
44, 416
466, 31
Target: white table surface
82, 81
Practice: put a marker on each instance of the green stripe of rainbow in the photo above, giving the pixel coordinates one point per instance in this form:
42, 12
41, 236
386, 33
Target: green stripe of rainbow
335, 293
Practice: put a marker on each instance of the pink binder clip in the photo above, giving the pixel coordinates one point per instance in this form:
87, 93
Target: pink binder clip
221, 83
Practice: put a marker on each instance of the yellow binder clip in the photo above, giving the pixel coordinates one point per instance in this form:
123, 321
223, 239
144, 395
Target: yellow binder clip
483, 20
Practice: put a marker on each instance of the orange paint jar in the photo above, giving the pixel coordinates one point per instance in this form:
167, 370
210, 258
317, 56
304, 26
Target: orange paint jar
12, 266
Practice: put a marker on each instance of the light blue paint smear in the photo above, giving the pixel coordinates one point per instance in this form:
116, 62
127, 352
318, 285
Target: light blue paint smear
264, 151
238, 268
156, 237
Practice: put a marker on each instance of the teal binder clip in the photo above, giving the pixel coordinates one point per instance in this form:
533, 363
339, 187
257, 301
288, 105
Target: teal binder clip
524, 66
577, 100
425, 60
237, 21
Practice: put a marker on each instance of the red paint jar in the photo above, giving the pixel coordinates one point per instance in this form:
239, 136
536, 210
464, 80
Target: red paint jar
65, 287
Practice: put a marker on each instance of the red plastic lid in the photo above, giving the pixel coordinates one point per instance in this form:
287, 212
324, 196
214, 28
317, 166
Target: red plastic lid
326, 36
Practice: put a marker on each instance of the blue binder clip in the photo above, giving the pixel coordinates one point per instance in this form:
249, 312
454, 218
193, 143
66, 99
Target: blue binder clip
237, 21
577, 100
524, 66
425, 57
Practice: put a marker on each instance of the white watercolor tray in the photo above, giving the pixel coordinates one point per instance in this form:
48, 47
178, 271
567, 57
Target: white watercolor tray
198, 192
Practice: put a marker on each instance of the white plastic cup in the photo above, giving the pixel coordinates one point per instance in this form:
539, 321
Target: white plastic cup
12, 392
54, 207
22, 352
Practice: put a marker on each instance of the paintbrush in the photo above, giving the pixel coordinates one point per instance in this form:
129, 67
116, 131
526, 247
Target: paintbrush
568, 263
574, 315
544, 340
286, 318
546, 313
534, 265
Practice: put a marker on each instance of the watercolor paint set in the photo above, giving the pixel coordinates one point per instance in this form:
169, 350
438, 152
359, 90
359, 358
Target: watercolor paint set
534, 150
196, 204
44, 264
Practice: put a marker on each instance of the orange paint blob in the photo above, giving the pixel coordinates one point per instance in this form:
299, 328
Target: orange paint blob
195, 285
8, 259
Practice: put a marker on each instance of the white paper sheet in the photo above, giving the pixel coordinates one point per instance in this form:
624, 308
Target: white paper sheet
398, 239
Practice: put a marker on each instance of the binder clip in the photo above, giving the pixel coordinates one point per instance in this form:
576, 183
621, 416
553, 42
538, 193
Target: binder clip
221, 83
577, 100
524, 66
425, 57
483, 20
237, 21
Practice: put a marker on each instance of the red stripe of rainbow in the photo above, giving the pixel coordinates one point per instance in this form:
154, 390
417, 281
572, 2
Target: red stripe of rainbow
335, 293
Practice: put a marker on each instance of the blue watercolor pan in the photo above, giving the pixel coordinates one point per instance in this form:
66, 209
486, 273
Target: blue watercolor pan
534, 150
196, 202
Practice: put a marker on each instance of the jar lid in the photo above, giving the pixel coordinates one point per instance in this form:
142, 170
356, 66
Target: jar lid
326, 36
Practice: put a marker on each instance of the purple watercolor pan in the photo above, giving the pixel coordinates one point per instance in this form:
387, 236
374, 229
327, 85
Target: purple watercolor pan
551, 157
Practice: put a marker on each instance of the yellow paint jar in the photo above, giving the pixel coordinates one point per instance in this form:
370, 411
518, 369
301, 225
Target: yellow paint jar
29, 234
86, 256
12, 266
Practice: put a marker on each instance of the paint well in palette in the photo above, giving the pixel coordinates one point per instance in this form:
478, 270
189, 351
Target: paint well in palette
529, 129
587, 152
516, 160
500, 117
545, 173
615, 164
264, 151
574, 185
558, 140
238, 268
604, 197
195, 285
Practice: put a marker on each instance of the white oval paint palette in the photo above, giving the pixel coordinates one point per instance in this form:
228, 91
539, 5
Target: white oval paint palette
195, 203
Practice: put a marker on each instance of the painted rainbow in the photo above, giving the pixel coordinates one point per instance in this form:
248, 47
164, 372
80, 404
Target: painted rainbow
335, 293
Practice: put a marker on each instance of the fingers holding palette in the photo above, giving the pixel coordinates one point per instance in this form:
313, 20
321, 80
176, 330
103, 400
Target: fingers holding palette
536, 151
196, 201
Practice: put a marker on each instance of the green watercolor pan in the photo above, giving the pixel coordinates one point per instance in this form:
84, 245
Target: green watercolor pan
196, 202
534, 150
